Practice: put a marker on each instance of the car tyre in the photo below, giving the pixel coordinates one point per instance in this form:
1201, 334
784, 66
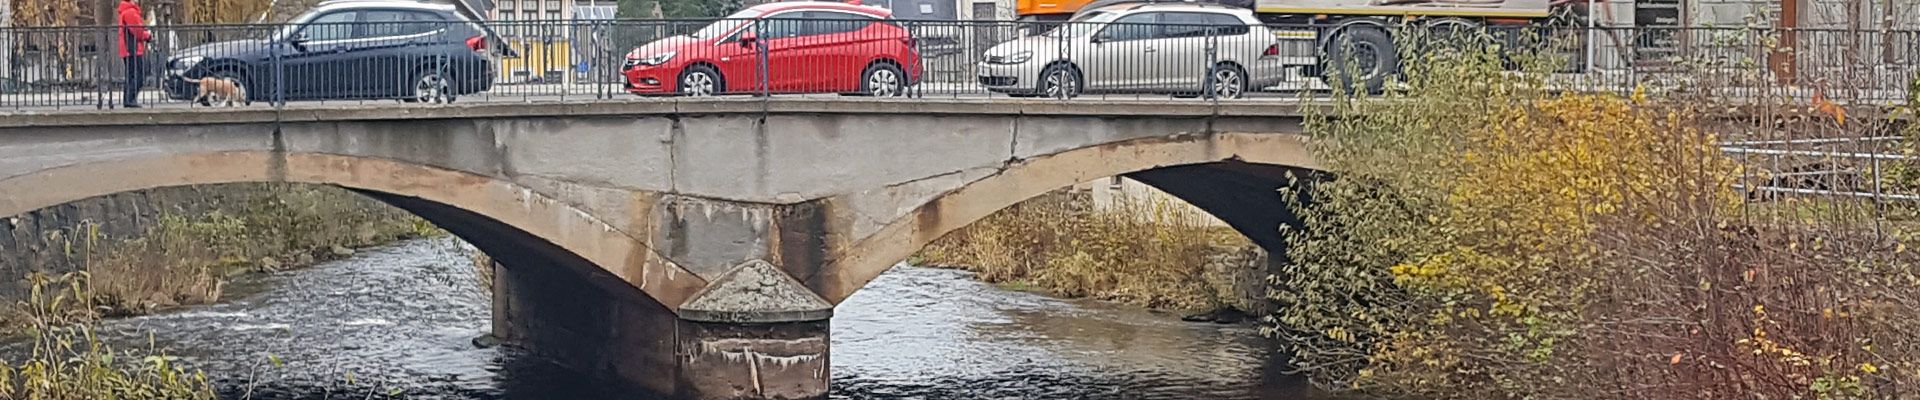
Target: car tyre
1060, 81
1225, 81
700, 81
1362, 58
430, 86
883, 80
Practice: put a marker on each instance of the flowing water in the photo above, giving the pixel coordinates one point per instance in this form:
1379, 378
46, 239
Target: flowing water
400, 320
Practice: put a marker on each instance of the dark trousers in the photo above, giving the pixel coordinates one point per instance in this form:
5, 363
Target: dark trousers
136, 77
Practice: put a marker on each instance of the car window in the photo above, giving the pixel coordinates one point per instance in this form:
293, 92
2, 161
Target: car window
782, 25
335, 26
1227, 25
1082, 24
727, 24
1193, 24
389, 23
1181, 24
831, 22
1133, 27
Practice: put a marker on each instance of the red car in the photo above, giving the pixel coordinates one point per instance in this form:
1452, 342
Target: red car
810, 47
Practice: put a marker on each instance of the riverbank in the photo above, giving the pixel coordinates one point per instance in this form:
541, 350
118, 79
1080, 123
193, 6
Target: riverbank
1150, 251
163, 248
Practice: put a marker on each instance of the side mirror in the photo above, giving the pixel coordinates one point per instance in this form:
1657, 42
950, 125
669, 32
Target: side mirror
1105, 35
748, 38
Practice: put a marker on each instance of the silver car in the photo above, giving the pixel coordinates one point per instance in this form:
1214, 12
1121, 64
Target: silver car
1181, 48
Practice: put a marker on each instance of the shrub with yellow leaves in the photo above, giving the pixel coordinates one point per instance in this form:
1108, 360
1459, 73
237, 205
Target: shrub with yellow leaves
1484, 236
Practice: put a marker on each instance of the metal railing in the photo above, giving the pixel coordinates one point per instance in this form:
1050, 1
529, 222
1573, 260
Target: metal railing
1209, 60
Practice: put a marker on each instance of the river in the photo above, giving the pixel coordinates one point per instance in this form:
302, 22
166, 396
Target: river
398, 321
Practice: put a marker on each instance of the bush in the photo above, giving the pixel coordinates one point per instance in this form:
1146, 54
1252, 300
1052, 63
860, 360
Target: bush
1486, 237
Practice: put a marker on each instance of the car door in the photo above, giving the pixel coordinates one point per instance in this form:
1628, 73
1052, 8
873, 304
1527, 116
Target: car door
382, 55
1121, 55
1183, 55
840, 46
313, 69
737, 58
784, 35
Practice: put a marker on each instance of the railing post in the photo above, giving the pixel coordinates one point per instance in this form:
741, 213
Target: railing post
762, 51
279, 66
1208, 85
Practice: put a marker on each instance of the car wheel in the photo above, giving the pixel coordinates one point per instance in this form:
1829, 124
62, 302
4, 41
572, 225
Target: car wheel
1226, 81
431, 86
883, 80
1362, 58
701, 81
1060, 81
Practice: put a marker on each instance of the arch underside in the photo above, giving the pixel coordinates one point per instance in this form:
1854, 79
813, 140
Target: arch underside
512, 223
1236, 177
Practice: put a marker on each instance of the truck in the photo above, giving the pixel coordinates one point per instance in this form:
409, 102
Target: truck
1351, 37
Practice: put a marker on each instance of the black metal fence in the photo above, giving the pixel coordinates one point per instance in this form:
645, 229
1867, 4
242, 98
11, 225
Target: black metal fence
1209, 56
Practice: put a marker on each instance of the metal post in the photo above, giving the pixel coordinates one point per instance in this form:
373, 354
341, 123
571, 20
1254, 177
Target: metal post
1591, 40
279, 76
760, 47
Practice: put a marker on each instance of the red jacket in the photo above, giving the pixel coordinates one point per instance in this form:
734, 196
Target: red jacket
134, 27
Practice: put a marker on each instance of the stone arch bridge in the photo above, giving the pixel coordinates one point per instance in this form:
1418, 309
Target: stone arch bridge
690, 248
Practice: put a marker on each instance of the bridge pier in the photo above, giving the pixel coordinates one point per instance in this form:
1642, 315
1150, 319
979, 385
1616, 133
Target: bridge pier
754, 331
727, 347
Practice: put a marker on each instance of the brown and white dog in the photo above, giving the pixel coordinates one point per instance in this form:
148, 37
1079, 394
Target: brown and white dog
220, 90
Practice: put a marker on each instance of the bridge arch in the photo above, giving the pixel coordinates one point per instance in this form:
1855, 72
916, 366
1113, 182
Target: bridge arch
1230, 175
491, 213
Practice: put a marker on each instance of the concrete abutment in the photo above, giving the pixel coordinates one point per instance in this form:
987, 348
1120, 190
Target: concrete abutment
754, 332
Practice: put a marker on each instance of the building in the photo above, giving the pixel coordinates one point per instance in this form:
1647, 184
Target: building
552, 38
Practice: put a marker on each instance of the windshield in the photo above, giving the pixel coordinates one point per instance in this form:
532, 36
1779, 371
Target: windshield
725, 25
1082, 24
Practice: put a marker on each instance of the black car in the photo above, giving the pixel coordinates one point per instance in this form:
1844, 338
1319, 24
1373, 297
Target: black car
402, 50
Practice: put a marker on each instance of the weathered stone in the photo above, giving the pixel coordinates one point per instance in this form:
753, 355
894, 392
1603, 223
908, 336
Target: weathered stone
756, 292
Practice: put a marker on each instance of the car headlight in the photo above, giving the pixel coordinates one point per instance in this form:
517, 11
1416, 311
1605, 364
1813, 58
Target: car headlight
1015, 58
183, 64
656, 59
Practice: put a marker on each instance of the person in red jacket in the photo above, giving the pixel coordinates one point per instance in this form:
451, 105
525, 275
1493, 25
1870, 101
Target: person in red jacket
133, 49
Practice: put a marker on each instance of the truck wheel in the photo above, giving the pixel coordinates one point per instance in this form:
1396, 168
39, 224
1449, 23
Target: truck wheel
1361, 58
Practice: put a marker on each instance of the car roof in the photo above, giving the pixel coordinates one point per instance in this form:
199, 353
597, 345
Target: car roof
331, 5
774, 7
1175, 6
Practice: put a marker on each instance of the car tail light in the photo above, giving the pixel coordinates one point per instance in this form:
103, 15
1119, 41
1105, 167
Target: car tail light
1272, 50
477, 43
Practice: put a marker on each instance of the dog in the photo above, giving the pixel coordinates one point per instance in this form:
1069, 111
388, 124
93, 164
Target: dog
220, 90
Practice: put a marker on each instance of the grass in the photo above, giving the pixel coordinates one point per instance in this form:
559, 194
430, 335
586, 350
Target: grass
184, 259
69, 361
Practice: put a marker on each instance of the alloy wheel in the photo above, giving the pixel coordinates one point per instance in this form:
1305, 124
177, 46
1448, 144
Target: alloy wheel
1061, 83
697, 83
431, 88
883, 82
1227, 83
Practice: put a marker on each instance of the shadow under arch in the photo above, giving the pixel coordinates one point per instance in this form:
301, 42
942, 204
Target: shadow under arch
497, 216
1233, 176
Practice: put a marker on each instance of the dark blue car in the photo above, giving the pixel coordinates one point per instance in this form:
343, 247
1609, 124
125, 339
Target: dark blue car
401, 50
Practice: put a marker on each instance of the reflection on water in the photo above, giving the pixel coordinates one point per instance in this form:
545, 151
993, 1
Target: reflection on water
931, 333
401, 319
